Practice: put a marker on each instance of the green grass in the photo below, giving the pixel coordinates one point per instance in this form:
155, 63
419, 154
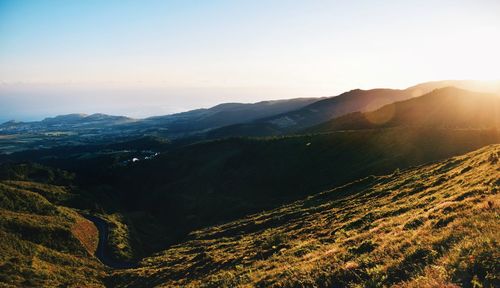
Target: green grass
43, 244
431, 226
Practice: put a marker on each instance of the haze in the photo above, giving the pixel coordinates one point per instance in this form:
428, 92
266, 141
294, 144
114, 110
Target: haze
142, 58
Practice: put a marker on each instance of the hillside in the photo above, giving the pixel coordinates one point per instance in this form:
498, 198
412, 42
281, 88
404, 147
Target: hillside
206, 183
430, 226
44, 244
443, 108
156, 201
190, 186
349, 102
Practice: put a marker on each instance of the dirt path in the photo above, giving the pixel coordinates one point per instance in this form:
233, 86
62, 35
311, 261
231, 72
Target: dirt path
102, 252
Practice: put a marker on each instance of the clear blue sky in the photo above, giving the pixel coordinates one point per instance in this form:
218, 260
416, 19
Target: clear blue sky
154, 57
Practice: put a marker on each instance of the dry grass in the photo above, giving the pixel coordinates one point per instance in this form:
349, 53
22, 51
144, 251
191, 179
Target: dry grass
87, 233
431, 226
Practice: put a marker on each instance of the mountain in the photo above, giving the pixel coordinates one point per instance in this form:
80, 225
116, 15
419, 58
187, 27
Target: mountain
200, 120
443, 108
430, 226
266, 118
317, 112
82, 129
353, 101
185, 122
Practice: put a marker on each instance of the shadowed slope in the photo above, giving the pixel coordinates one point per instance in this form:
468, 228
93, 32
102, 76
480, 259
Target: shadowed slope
203, 184
430, 226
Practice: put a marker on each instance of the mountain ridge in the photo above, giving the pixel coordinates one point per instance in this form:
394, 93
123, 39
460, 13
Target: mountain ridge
445, 107
356, 100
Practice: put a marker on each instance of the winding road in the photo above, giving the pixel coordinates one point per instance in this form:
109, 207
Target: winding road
102, 252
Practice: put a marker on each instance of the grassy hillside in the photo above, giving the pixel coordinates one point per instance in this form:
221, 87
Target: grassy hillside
442, 108
153, 203
206, 183
43, 244
431, 226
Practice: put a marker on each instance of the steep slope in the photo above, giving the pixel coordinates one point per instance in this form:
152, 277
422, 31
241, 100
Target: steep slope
44, 244
431, 226
443, 108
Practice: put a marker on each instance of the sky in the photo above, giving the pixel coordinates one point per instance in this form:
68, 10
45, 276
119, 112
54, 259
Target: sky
143, 58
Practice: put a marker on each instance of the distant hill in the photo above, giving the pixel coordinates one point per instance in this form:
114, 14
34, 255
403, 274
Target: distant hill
186, 123
266, 118
430, 226
85, 120
443, 108
332, 107
76, 129
65, 119
66, 122
317, 112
